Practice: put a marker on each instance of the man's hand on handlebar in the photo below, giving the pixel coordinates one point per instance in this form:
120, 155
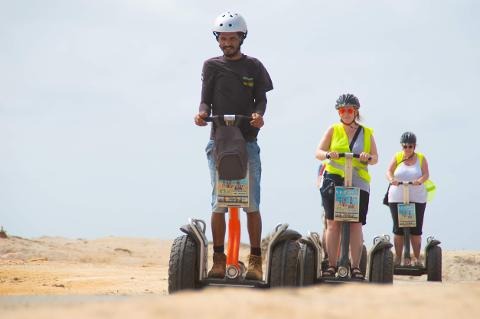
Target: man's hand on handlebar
257, 120
199, 119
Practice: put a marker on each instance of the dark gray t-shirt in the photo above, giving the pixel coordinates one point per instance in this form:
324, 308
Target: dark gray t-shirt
235, 87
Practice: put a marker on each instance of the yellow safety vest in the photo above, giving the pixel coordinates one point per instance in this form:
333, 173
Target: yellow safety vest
429, 185
340, 144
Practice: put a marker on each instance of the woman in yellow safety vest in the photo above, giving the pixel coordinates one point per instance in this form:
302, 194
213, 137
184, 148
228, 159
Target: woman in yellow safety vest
348, 136
408, 166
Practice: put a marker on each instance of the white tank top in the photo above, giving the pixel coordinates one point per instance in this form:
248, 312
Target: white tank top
405, 173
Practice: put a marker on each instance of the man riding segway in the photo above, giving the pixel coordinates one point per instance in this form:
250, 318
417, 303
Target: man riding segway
235, 84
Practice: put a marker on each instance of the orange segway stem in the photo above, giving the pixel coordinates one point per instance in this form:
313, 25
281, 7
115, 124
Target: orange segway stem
233, 237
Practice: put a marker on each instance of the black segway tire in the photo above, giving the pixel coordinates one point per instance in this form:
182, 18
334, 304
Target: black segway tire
434, 264
283, 271
182, 267
382, 267
363, 261
309, 269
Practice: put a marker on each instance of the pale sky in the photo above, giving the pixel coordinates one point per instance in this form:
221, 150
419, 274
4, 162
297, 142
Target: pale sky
97, 101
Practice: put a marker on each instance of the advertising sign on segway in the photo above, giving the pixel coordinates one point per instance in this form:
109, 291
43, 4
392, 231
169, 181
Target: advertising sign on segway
233, 193
347, 204
406, 215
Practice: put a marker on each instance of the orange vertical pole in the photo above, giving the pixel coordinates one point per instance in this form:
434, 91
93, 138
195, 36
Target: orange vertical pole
233, 237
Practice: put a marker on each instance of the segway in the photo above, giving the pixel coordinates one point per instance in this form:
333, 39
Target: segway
188, 263
314, 238
433, 251
311, 257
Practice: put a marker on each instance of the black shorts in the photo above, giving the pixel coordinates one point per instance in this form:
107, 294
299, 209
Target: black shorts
327, 191
419, 212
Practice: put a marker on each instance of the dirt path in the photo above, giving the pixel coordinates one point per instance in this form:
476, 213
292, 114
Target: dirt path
127, 277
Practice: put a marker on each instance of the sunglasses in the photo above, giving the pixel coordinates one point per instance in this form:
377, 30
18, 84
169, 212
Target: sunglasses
405, 146
342, 111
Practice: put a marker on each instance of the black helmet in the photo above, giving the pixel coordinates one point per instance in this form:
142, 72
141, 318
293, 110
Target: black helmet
347, 99
408, 138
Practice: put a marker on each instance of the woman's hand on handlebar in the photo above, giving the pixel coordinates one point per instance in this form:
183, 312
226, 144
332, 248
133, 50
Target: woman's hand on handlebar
394, 182
199, 118
364, 157
257, 120
417, 182
332, 155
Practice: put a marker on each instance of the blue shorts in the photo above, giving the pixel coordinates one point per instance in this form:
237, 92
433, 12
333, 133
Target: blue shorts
254, 170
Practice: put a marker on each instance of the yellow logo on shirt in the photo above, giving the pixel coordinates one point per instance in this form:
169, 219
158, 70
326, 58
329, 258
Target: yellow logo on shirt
248, 81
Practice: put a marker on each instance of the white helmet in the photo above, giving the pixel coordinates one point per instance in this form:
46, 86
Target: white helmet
229, 22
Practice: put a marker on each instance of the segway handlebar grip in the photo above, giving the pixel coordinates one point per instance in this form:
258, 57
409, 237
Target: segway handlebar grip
355, 155
227, 117
405, 183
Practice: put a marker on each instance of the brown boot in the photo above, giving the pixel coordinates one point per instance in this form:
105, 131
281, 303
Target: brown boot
254, 271
219, 266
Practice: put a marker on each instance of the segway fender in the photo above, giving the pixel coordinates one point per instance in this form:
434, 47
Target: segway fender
288, 234
196, 229
312, 240
433, 259
379, 243
188, 230
281, 233
431, 242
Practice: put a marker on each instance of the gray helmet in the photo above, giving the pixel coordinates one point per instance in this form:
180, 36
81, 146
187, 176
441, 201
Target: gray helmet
408, 138
347, 99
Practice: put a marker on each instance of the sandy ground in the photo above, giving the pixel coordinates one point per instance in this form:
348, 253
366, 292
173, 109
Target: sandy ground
52, 277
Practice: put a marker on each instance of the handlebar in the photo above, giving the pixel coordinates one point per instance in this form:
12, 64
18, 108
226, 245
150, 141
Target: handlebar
405, 183
227, 117
355, 155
